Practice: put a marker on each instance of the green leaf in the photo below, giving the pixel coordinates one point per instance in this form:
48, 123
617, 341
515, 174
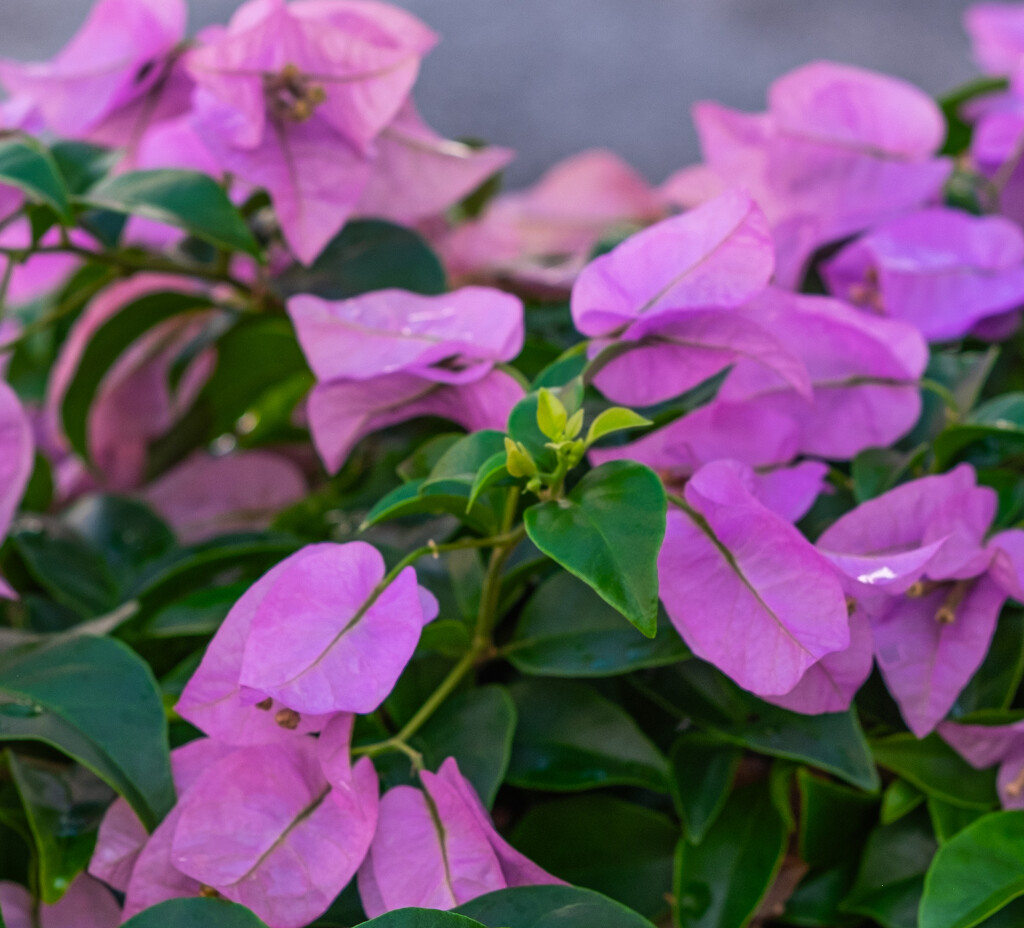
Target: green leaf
97, 701
949, 820
696, 692
567, 630
522, 428
891, 876
420, 918
703, 770
876, 470
199, 613
29, 166
369, 254
81, 164
996, 681
720, 882
958, 130
107, 344
976, 873
816, 899
491, 473
463, 459
613, 420
834, 820
187, 200
900, 798
70, 571
617, 848
551, 414
934, 767
185, 569
443, 497
63, 809
608, 532
195, 913
127, 533
476, 728
569, 738
551, 907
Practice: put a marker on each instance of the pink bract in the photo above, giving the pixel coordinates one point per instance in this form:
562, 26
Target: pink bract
745, 589
839, 149
437, 849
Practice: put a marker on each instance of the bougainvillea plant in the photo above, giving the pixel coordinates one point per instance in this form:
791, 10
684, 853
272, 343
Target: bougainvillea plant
383, 548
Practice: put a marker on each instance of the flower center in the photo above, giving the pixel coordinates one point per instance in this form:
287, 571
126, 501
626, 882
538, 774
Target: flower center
956, 591
868, 295
291, 95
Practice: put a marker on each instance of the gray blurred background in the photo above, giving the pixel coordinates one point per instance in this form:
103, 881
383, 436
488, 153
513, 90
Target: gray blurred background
551, 77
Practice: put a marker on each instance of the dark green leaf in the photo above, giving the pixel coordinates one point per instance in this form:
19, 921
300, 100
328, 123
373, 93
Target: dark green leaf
995, 683
720, 882
70, 571
29, 166
958, 130
949, 820
200, 613
63, 809
703, 770
421, 918
608, 532
976, 873
550, 907
475, 728
934, 767
492, 472
696, 692
369, 254
569, 738
127, 533
106, 345
891, 877
900, 798
81, 164
617, 848
96, 701
186, 200
195, 913
834, 820
567, 630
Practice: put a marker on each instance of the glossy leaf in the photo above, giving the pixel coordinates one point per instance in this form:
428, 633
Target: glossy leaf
63, 809
617, 848
96, 701
720, 882
976, 873
900, 798
834, 742
476, 728
570, 738
421, 918
891, 876
567, 630
195, 913
934, 767
27, 165
949, 820
186, 200
544, 906
703, 770
608, 532
442, 497
834, 820
369, 254
71, 572
614, 420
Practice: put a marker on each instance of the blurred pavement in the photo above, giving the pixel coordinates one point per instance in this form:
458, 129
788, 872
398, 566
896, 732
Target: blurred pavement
550, 77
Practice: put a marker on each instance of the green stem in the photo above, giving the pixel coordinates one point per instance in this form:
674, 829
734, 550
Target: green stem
74, 302
490, 595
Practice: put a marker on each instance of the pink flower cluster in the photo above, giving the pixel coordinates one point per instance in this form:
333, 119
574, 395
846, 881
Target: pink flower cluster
278, 820
309, 101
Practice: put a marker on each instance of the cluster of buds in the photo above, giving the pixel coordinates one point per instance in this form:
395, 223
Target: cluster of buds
563, 425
